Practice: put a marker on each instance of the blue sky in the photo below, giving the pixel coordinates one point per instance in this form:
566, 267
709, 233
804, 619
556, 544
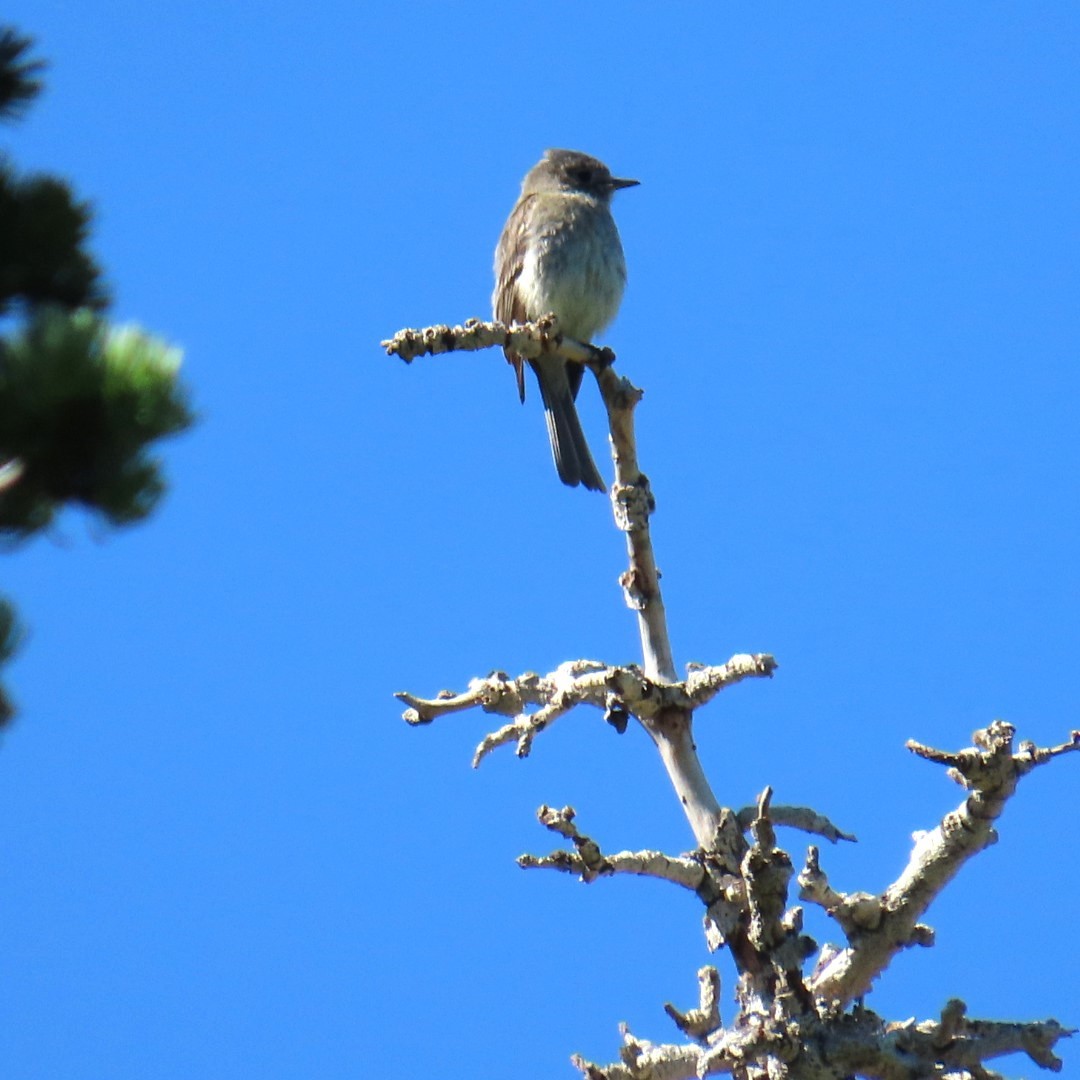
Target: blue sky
854, 267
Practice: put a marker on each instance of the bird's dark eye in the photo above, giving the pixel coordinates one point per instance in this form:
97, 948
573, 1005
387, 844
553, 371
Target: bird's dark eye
581, 176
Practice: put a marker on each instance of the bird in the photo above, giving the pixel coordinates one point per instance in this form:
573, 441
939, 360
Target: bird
560, 253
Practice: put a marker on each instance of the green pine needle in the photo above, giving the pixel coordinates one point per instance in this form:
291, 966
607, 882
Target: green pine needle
80, 404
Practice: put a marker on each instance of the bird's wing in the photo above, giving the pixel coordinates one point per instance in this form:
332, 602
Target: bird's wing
509, 259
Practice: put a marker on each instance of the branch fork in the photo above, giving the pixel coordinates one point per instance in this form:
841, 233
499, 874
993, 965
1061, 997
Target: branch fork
619, 691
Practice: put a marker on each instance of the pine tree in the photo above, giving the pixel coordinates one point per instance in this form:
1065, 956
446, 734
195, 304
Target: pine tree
81, 401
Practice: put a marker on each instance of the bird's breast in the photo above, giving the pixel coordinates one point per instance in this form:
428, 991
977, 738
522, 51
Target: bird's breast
574, 266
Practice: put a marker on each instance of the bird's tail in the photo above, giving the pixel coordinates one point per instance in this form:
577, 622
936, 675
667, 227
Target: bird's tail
573, 461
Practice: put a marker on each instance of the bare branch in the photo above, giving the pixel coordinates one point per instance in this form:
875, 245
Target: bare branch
631, 498
787, 1027
527, 339
632, 501
797, 817
964, 1045
854, 912
703, 1021
969, 767
766, 870
772, 932
618, 691
704, 682
498, 693
831, 1045
632, 504
878, 927
590, 863
642, 1060
522, 731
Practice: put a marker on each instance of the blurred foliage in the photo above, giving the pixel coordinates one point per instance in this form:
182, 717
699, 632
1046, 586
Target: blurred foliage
19, 82
10, 635
79, 404
42, 232
80, 401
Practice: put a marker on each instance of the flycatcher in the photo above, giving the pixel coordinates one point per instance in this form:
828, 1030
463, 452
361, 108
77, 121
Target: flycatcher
560, 252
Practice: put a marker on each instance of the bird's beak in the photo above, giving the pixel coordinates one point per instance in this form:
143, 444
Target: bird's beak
616, 183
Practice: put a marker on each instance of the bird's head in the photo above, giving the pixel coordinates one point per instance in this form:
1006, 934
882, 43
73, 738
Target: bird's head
573, 172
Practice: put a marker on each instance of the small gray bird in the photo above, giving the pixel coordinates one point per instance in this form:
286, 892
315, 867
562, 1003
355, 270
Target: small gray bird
560, 252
